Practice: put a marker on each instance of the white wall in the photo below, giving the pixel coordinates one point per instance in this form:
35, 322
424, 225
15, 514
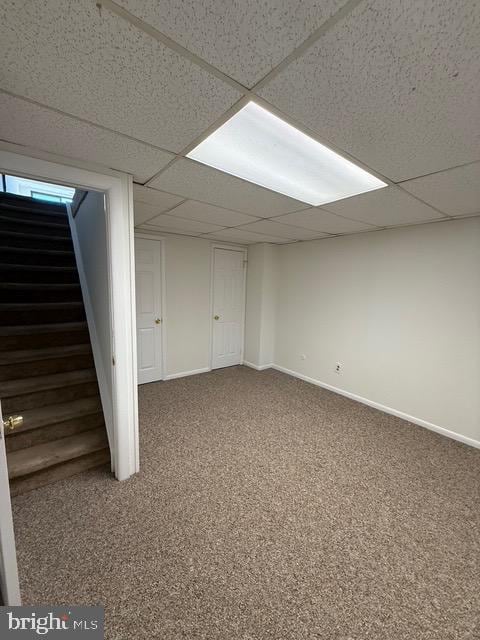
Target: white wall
188, 321
253, 310
187, 313
399, 309
89, 233
260, 321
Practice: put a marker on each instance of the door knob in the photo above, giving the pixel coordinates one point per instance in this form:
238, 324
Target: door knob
216, 317
158, 321
12, 422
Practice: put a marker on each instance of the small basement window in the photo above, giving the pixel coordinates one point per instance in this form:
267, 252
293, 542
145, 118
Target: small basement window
45, 191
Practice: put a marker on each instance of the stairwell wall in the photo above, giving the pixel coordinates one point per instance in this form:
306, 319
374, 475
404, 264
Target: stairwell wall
89, 234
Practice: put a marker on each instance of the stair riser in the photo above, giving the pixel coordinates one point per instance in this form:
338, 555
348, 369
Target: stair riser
13, 223
17, 404
40, 417
32, 242
34, 459
31, 204
45, 367
35, 274
42, 316
49, 433
36, 215
62, 294
12, 256
42, 340
59, 472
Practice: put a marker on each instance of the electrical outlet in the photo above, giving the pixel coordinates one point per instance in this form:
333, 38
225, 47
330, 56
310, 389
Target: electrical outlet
338, 368
303, 356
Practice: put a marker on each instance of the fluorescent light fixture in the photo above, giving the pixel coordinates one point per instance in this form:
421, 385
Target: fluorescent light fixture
260, 147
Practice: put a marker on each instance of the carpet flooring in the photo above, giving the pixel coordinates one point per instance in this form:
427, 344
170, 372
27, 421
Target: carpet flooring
266, 508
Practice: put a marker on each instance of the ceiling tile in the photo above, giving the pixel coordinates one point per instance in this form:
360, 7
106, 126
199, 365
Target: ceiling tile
384, 208
455, 192
163, 201
180, 224
40, 128
321, 220
198, 182
157, 229
148, 228
144, 212
208, 213
395, 84
271, 228
244, 237
244, 39
103, 69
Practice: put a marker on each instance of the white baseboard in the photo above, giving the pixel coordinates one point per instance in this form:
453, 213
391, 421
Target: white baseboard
382, 407
183, 374
260, 367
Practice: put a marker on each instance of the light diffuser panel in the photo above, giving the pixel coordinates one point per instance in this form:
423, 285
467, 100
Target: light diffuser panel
260, 147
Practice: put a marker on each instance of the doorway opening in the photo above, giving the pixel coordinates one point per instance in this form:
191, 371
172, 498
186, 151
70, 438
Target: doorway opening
54, 299
45, 206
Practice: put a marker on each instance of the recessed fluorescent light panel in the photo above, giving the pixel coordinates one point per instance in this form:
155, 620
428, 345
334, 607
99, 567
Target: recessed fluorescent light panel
260, 147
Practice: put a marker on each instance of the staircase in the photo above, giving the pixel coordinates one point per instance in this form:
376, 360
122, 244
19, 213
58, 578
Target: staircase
47, 374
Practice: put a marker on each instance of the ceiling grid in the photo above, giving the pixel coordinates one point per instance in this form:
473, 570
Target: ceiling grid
196, 75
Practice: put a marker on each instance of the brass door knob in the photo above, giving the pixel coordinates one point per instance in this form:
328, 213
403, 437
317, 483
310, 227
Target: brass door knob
158, 321
216, 317
12, 422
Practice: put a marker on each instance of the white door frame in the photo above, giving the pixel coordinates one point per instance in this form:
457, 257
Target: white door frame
228, 247
119, 191
163, 327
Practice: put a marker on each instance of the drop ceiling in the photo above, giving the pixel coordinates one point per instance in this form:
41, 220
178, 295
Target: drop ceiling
136, 85
246, 39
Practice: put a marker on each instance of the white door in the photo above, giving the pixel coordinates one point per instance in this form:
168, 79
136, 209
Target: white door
148, 273
228, 307
9, 586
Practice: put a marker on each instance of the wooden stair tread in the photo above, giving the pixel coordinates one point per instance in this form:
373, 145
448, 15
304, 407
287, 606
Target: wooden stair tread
36, 267
20, 207
33, 355
49, 286
37, 236
12, 388
55, 413
37, 306
26, 461
6, 196
42, 328
27, 206
52, 252
11, 217
62, 471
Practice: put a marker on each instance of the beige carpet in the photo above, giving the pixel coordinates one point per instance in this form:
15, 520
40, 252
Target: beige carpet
266, 508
